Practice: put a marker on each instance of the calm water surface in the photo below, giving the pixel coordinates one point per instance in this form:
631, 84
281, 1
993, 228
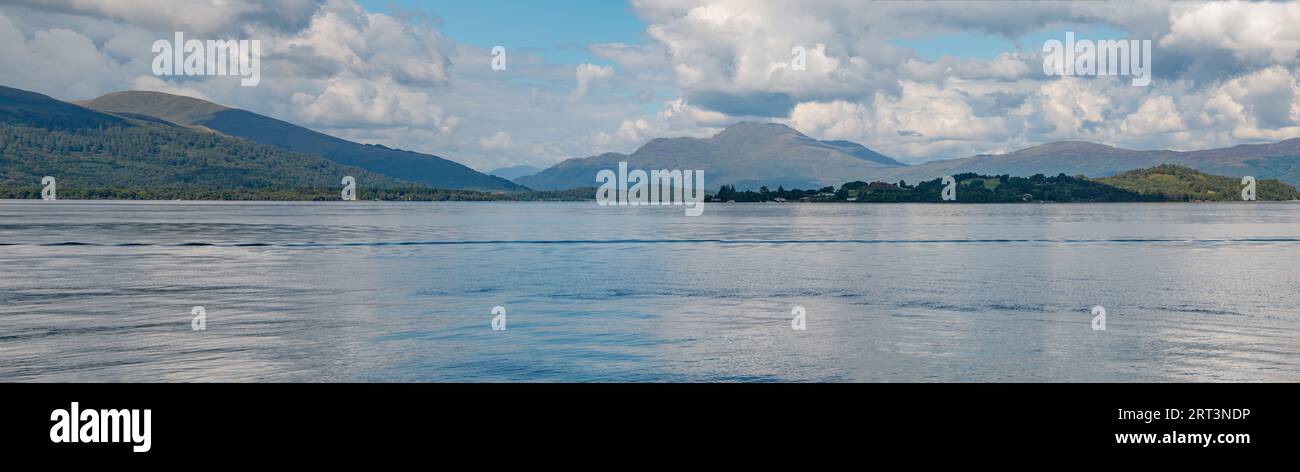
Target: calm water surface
368, 291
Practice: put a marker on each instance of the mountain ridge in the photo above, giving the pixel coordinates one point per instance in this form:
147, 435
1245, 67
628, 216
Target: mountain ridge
1278, 160
406, 165
110, 155
514, 172
743, 154
746, 154
21, 106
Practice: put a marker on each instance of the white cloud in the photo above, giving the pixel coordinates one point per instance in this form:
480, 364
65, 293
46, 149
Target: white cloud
932, 112
348, 101
1264, 105
1156, 115
1070, 103
369, 45
589, 75
633, 56
922, 120
1253, 32
676, 118
1270, 97
834, 120
497, 142
685, 115
55, 57
731, 56
196, 16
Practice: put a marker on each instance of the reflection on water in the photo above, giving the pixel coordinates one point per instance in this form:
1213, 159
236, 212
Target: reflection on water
369, 291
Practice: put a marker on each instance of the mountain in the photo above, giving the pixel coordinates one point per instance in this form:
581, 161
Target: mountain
861, 152
750, 155
515, 172
34, 109
1165, 183
1264, 161
94, 154
747, 155
970, 188
1182, 183
406, 165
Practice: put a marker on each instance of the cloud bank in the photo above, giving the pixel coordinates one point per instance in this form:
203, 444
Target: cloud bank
1224, 73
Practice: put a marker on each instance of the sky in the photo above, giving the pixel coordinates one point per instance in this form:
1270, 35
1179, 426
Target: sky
915, 80
558, 31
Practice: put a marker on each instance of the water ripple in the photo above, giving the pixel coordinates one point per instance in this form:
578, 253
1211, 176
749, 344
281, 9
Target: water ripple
685, 241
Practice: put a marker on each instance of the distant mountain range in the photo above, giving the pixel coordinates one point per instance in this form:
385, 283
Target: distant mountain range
747, 155
406, 165
87, 141
1164, 183
23, 107
750, 155
1279, 161
101, 155
515, 172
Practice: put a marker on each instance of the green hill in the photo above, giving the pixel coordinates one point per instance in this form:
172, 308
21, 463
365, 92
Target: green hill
970, 188
99, 155
1185, 184
406, 165
34, 109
